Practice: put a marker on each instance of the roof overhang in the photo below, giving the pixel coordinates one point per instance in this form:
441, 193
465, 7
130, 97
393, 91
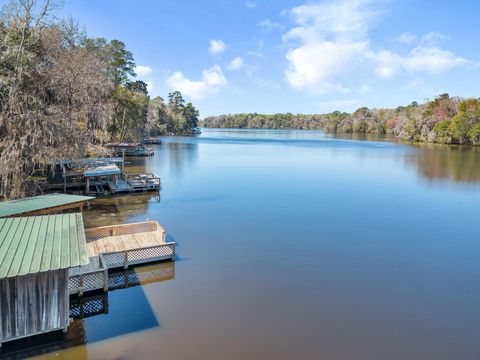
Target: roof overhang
38, 203
102, 170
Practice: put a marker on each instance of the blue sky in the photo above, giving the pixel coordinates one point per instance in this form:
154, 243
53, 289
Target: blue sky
294, 56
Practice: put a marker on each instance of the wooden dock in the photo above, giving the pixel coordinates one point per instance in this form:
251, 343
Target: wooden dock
119, 246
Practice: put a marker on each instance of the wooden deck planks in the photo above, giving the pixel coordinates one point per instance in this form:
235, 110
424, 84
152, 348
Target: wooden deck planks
123, 242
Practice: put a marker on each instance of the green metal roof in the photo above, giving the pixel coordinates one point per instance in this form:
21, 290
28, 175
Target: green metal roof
35, 244
15, 207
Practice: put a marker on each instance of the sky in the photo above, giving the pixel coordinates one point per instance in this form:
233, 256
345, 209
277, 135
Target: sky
294, 56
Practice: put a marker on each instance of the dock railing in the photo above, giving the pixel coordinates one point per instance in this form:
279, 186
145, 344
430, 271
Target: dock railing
124, 258
88, 278
145, 181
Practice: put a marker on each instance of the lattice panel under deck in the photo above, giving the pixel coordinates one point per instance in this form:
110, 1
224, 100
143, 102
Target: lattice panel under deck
89, 306
74, 282
93, 281
116, 280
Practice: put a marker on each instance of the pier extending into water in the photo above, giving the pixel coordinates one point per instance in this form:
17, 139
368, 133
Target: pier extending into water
99, 176
119, 246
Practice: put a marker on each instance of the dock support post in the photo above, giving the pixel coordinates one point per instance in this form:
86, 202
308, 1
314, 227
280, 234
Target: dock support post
80, 282
105, 285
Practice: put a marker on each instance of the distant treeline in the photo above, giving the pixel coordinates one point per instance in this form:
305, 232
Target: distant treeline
443, 120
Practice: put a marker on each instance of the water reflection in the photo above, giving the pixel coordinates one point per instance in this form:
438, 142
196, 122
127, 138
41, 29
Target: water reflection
96, 304
177, 154
141, 275
118, 209
365, 137
135, 164
123, 310
304, 246
447, 163
436, 163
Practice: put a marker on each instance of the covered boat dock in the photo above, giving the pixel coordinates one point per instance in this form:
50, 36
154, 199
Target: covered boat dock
46, 259
99, 176
35, 255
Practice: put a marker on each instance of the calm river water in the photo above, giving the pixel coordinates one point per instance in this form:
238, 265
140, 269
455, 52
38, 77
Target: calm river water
298, 245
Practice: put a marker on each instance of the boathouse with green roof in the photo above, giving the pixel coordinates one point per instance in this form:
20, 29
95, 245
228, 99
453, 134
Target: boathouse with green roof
36, 253
45, 259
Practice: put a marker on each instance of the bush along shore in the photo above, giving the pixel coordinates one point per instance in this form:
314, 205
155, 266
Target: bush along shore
443, 120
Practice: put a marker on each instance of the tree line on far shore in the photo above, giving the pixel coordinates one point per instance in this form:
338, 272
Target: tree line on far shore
443, 120
61, 90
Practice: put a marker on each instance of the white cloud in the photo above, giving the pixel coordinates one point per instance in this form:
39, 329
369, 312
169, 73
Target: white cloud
432, 60
143, 70
365, 89
331, 41
150, 85
236, 64
217, 47
266, 83
250, 4
405, 38
318, 64
212, 80
343, 20
432, 38
387, 63
428, 60
269, 25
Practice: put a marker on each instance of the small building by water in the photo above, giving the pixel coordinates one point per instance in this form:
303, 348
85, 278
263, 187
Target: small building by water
98, 176
36, 253
46, 259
